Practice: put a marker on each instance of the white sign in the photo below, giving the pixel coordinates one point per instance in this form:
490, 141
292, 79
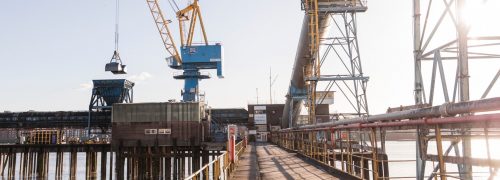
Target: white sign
164, 131
260, 115
259, 108
150, 131
252, 132
260, 119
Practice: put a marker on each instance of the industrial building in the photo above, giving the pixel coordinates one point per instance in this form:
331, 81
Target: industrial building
264, 118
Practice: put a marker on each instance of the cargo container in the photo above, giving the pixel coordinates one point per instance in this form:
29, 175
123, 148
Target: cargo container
164, 124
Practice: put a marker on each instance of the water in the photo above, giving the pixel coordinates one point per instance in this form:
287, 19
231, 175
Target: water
396, 150
405, 150
80, 169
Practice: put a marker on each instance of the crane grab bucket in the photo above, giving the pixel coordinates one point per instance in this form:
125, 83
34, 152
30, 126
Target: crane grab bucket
115, 65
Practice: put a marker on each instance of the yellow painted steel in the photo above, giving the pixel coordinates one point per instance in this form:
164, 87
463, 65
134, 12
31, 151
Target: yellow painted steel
226, 165
439, 145
312, 67
321, 149
162, 25
191, 13
44, 136
374, 153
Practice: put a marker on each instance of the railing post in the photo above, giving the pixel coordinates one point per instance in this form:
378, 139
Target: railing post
310, 144
349, 153
439, 144
206, 174
374, 154
325, 146
332, 135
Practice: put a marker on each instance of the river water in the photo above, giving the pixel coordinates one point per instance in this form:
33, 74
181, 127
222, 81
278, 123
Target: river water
401, 155
405, 150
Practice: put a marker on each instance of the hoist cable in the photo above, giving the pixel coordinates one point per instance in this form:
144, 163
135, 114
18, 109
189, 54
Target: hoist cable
172, 6
117, 19
175, 4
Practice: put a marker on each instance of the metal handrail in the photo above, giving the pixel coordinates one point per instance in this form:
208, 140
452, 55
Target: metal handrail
227, 165
192, 176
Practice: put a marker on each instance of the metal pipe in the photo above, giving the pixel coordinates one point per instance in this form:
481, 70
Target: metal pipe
444, 110
301, 58
431, 121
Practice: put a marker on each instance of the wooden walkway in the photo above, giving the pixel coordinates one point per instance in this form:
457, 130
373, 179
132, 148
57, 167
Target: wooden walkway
267, 161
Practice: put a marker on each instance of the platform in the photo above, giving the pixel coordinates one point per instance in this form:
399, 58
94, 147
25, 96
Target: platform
268, 161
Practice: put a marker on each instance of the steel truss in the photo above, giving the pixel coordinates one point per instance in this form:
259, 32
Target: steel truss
357, 146
339, 48
339, 145
447, 16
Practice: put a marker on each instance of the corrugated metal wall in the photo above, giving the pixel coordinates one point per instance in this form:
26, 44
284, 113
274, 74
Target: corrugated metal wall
157, 112
184, 120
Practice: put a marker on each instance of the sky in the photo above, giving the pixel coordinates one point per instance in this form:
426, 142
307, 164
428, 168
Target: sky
51, 50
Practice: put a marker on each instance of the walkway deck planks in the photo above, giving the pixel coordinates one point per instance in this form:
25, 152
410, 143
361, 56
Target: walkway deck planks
275, 163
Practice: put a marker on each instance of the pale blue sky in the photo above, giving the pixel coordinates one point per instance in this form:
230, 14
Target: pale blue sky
51, 50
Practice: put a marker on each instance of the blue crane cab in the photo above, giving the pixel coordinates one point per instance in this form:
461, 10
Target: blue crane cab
194, 59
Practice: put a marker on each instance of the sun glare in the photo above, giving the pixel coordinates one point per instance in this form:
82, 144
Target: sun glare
481, 16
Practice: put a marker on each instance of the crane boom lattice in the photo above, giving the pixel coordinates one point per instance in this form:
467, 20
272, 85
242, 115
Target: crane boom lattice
162, 24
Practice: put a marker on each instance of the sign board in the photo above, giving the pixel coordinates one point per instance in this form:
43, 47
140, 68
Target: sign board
164, 131
260, 118
259, 108
150, 131
157, 131
260, 115
252, 132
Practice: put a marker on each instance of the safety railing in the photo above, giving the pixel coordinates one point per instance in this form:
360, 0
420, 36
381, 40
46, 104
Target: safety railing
361, 149
220, 167
342, 150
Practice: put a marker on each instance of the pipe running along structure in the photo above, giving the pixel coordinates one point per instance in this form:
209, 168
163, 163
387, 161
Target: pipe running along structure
445, 110
307, 66
297, 91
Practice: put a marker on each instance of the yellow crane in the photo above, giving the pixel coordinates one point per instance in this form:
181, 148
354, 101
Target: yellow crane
162, 25
183, 16
191, 58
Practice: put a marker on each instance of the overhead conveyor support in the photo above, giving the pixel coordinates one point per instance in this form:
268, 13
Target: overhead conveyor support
297, 91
